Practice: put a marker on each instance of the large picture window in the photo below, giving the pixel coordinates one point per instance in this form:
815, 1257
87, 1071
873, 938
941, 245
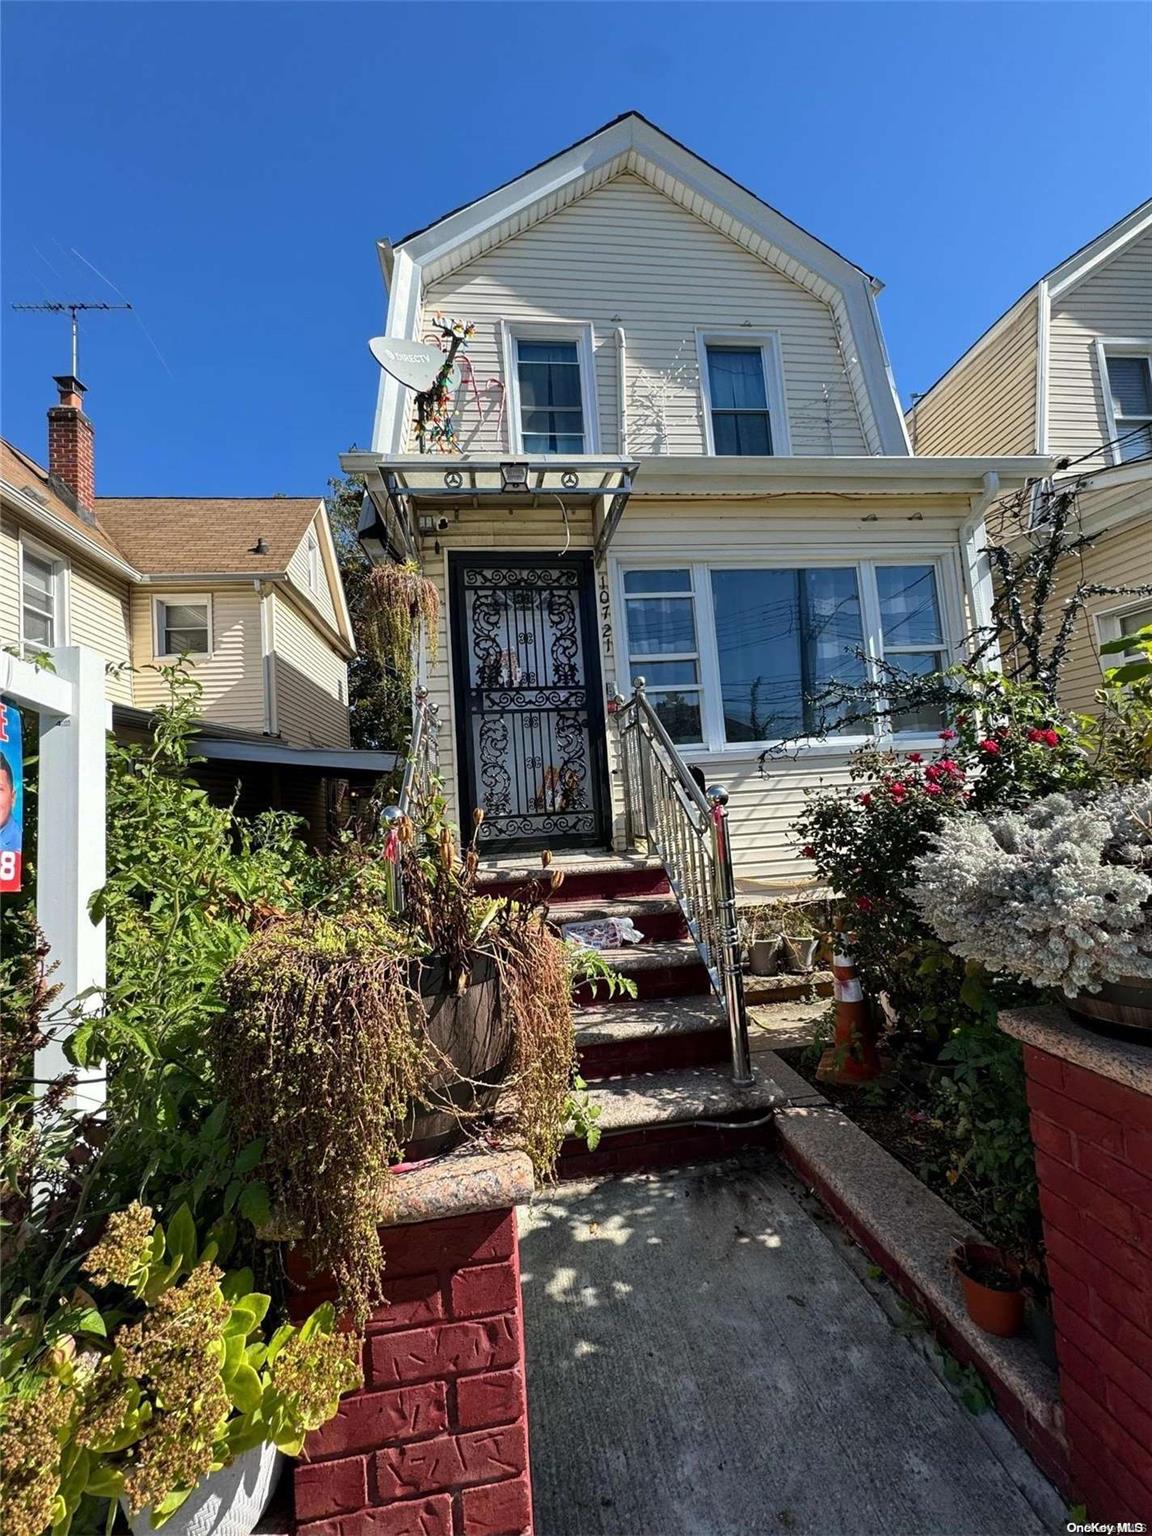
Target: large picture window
736, 656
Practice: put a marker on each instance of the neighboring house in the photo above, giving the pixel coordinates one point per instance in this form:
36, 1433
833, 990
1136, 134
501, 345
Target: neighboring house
679, 455
247, 589
1068, 371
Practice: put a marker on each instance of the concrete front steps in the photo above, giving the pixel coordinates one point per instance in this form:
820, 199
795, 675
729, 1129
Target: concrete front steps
657, 1065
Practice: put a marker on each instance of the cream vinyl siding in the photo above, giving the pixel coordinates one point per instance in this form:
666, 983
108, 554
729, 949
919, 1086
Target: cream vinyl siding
989, 405
98, 606
232, 677
298, 575
98, 616
311, 682
762, 807
1121, 557
1113, 301
627, 255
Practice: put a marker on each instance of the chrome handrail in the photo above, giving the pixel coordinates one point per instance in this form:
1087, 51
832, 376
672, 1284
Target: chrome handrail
421, 770
688, 828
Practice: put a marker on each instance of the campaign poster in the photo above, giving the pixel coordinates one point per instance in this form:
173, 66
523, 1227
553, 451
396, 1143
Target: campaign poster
11, 798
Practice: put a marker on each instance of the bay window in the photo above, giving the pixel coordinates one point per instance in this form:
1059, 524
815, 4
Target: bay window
740, 655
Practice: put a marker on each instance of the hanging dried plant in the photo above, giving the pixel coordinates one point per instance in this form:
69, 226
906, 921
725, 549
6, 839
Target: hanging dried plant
394, 608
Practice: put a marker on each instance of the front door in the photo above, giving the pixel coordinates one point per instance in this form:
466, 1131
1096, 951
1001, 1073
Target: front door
529, 701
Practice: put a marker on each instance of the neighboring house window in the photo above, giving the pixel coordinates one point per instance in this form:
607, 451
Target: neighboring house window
313, 561
662, 648
183, 626
737, 656
41, 599
1112, 626
1126, 369
743, 395
551, 398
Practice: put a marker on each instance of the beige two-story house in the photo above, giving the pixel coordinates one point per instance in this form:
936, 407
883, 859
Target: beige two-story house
246, 591
1067, 370
672, 449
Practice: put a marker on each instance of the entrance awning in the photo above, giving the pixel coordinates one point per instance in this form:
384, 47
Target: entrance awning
409, 495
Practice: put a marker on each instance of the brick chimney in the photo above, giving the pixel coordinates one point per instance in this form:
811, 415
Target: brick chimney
70, 437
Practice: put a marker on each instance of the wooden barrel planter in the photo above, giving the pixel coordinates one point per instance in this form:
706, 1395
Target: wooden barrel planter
1121, 1008
470, 1030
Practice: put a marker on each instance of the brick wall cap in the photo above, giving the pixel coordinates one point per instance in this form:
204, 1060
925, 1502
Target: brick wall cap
465, 1182
1057, 1032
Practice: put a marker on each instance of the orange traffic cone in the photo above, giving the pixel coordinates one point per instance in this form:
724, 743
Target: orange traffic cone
852, 1057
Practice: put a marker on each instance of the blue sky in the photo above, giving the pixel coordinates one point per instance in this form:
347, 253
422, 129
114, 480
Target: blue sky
229, 167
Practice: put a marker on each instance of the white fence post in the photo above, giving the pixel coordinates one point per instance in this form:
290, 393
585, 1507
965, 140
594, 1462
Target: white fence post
70, 820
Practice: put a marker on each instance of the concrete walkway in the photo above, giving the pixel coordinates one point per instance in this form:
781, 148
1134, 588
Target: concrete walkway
704, 1360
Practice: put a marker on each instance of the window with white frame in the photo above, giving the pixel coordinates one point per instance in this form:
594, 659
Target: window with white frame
1128, 621
1127, 378
41, 598
739, 655
183, 626
743, 395
551, 400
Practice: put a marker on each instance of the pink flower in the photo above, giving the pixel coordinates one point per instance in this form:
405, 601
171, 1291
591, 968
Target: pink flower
864, 799
864, 903
948, 734
915, 757
990, 746
933, 789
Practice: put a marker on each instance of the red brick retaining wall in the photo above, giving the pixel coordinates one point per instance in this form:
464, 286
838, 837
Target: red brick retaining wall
1093, 1141
436, 1444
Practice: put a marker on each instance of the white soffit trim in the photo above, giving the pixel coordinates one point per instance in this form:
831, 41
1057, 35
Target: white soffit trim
636, 145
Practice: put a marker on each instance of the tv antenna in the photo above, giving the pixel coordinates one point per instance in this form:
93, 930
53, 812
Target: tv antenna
55, 307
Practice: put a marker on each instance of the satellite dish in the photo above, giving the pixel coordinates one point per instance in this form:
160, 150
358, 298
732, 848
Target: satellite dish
414, 364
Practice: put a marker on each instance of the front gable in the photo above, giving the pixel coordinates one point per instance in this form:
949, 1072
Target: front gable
630, 206
314, 571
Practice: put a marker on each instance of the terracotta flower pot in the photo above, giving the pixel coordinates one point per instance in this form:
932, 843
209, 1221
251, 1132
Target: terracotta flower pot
992, 1286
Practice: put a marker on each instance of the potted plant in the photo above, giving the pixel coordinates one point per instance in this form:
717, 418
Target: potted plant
763, 940
352, 1039
1059, 894
993, 1287
157, 1387
800, 938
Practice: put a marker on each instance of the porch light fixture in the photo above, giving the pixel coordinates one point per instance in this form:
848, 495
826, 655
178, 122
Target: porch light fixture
514, 476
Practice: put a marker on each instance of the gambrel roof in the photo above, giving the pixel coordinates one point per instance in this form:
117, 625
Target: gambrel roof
630, 144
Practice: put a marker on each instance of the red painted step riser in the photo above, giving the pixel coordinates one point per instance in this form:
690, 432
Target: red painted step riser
675, 981
601, 887
663, 925
664, 1053
662, 1146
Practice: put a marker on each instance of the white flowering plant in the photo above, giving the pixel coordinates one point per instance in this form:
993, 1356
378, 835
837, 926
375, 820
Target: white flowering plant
1058, 894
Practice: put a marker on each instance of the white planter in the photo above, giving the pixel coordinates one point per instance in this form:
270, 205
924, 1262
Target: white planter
227, 1503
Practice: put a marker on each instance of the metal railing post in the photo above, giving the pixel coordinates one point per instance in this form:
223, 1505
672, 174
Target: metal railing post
729, 938
643, 751
626, 773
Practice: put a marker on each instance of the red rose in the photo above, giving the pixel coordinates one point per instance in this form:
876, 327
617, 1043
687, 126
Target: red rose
1052, 737
864, 799
948, 734
915, 757
897, 791
864, 903
1036, 734
933, 789
990, 746
807, 852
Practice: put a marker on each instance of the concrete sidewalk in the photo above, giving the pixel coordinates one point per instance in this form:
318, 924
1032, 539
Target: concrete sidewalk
703, 1360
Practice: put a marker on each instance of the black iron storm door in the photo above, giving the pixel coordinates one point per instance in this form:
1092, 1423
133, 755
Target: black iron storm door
529, 701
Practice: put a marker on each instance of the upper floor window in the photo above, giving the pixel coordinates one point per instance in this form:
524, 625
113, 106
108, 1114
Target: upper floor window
1127, 375
41, 599
183, 626
740, 655
743, 395
551, 396
1127, 621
